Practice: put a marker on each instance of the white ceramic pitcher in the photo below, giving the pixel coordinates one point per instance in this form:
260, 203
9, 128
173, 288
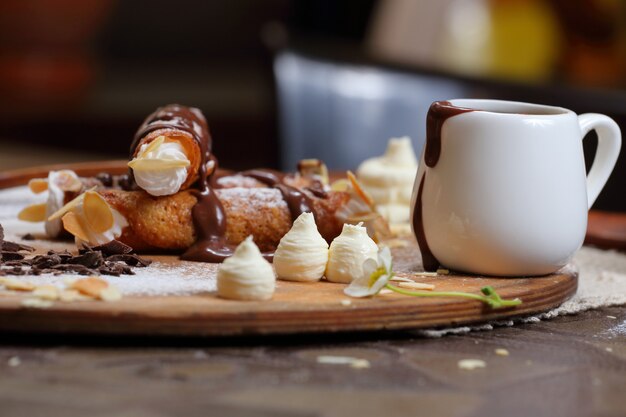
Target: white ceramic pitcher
502, 189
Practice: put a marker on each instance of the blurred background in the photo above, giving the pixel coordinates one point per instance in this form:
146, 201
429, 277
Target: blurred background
281, 80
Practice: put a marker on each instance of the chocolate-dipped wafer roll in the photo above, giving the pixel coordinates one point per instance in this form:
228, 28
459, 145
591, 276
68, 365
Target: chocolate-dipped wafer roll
171, 150
166, 223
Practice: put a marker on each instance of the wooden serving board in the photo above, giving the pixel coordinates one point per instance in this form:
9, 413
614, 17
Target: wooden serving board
295, 308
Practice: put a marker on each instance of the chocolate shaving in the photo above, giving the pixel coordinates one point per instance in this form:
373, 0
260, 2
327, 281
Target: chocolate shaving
105, 178
91, 259
114, 247
130, 259
65, 255
317, 188
113, 258
16, 247
11, 256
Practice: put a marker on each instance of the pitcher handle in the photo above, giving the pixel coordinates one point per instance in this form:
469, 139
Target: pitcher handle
609, 144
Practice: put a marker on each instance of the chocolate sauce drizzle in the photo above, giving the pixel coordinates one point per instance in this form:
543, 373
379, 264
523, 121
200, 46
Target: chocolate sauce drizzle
209, 217
296, 200
438, 113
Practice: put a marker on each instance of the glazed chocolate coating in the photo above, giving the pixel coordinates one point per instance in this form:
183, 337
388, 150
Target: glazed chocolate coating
177, 117
438, 113
208, 214
296, 200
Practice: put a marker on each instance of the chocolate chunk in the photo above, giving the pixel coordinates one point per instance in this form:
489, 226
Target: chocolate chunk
64, 255
16, 247
113, 258
114, 247
77, 268
130, 259
116, 269
11, 256
28, 236
17, 262
125, 182
105, 178
317, 188
17, 270
46, 261
92, 259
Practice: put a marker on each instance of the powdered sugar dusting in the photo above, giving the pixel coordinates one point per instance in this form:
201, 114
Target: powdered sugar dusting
158, 279
165, 276
232, 181
244, 199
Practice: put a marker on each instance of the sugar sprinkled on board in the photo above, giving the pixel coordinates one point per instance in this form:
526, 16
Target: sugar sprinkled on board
155, 280
158, 279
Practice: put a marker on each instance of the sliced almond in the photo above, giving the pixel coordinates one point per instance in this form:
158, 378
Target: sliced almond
36, 303
363, 217
68, 181
359, 190
313, 168
91, 286
416, 285
17, 285
155, 164
154, 145
340, 185
98, 213
395, 243
38, 185
110, 294
72, 224
69, 206
46, 292
68, 296
398, 278
33, 213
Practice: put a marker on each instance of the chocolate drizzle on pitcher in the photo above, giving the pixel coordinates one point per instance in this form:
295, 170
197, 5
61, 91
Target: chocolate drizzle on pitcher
438, 113
209, 217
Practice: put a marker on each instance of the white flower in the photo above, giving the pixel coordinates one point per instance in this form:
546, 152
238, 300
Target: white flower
376, 274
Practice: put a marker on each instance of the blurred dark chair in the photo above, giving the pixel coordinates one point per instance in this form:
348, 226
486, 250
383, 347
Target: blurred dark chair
344, 113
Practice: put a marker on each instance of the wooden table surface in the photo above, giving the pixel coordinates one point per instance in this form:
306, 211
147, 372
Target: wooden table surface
569, 366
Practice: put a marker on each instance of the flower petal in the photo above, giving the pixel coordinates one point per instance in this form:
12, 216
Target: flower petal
384, 258
380, 283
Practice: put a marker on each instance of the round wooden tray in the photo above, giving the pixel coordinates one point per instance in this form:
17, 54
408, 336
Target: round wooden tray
295, 308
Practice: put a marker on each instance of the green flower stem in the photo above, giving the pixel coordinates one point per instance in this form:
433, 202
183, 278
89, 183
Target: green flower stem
490, 297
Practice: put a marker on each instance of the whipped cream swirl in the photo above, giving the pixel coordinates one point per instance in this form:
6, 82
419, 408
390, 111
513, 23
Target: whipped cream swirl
246, 275
302, 253
162, 181
59, 182
389, 179
348, 252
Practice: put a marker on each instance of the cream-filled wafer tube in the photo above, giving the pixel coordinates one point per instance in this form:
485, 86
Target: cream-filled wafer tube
166, 223
170, 149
